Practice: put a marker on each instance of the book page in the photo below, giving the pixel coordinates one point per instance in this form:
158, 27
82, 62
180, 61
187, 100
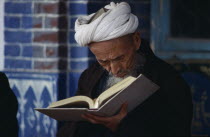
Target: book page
141, 89
64, 114
76, 101
113, 90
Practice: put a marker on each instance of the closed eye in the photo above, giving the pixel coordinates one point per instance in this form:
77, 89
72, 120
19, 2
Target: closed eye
102, 61
119, 58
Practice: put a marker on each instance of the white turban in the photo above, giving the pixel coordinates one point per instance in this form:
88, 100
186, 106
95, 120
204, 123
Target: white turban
116, 22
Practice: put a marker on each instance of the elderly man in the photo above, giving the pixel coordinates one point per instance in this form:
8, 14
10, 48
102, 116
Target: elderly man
120, 52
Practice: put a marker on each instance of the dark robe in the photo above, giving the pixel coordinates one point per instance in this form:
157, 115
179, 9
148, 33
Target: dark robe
168, 112
9, 107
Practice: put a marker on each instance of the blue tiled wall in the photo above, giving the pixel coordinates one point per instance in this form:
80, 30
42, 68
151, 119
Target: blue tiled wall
12, 22
17, 64
27, 22
9, 50
15, 37
20, 8
77, 8
25, 47
80, 52
34, 91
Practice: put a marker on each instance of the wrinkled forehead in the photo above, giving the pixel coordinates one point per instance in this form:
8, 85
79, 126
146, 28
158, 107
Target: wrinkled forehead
120, 41
110, 45
110, 49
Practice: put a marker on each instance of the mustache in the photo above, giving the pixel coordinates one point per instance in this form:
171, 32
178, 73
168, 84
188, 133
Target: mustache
128, 71
119, 72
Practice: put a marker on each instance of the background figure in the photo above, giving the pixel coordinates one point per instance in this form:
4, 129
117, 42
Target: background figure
9, 107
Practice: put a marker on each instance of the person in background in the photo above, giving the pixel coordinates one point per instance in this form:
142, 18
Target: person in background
111, 35
9, 108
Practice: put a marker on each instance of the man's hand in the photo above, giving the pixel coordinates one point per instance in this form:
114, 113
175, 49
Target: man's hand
109, 122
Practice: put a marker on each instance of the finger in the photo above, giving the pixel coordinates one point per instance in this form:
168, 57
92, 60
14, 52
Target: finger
123, 110
100, 119
125, 107
89, 119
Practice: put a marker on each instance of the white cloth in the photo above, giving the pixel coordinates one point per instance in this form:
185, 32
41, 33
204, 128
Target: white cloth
116, 22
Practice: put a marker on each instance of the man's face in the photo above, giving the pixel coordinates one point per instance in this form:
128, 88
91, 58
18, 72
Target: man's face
118, 55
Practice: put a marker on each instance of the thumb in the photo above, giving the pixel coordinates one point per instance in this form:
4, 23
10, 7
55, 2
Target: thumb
123, 110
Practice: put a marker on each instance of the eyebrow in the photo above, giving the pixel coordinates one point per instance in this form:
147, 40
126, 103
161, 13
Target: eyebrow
118, 57
101, 60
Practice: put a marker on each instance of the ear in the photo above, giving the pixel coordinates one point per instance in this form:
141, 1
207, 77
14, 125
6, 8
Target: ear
137, 40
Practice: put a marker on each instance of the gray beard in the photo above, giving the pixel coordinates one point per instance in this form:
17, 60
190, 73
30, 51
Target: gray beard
113, 80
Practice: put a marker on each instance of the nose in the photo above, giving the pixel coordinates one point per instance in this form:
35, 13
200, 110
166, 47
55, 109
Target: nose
114, 68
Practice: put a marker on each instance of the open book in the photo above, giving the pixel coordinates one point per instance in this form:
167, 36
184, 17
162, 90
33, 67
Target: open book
84, 101
131, 90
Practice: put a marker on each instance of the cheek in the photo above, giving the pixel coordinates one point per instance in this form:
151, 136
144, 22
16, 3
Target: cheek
124, 65
128, 63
